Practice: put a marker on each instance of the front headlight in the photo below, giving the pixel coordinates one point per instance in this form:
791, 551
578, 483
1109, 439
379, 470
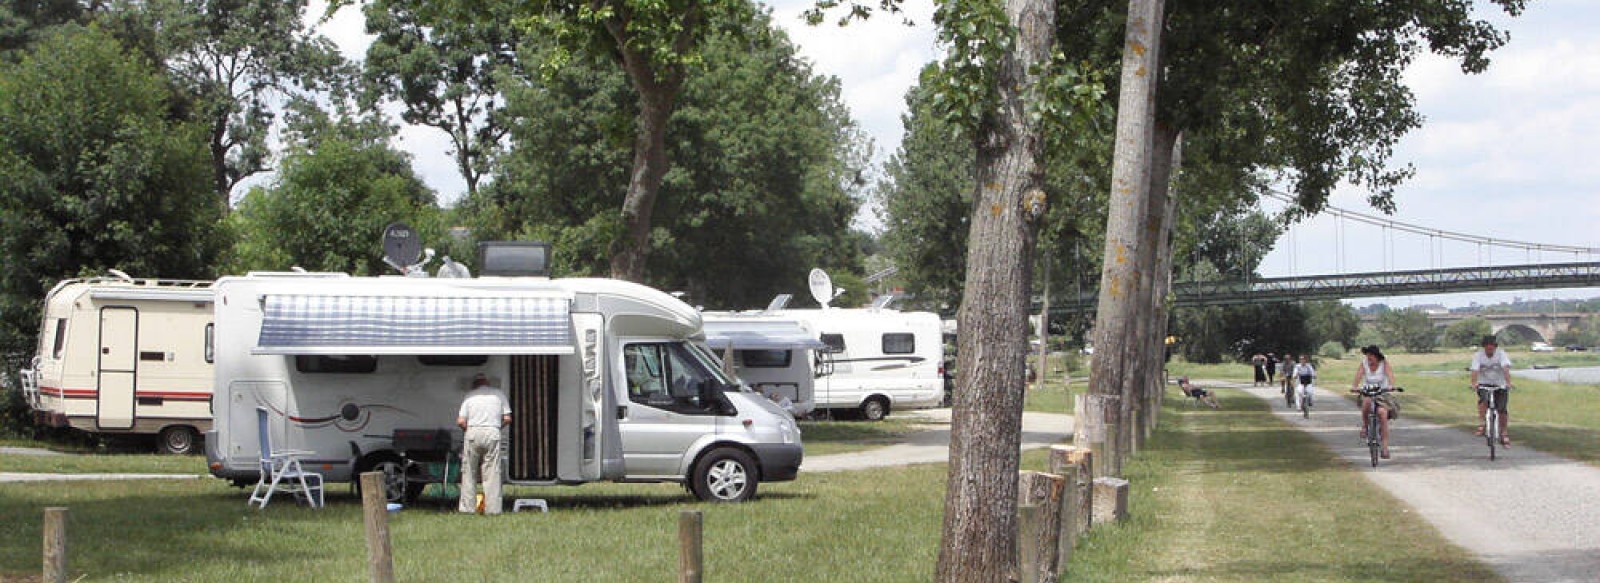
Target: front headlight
787, 431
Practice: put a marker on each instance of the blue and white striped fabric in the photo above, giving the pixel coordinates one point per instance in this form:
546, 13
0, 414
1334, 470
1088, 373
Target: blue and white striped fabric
325, 324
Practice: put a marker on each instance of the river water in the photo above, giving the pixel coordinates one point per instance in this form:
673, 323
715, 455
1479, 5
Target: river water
1588, 375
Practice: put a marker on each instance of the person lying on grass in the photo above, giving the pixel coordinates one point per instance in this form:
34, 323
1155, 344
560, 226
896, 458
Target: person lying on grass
1194, 392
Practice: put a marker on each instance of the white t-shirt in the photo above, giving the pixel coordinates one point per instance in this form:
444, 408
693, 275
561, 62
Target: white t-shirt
484, 407
1304, 369
1491, 369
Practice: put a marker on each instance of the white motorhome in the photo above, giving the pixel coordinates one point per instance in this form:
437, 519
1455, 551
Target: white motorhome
120, 356
775, 356
881, 359
608, 380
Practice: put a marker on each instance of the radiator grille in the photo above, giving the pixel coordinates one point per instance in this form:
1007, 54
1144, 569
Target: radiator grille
534, 399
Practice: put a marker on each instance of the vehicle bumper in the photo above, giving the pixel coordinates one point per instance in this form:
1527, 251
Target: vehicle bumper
779, 462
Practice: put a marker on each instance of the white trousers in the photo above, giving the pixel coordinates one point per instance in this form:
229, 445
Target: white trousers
480, 458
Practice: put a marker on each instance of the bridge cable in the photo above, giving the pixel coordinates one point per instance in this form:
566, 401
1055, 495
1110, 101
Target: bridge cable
1451, 235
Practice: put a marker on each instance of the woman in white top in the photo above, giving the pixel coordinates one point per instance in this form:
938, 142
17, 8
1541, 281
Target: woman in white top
1304, 375
1375, 370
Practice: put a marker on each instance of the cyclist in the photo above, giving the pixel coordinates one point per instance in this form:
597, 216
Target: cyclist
1491, 366
1304, 374
1374, 370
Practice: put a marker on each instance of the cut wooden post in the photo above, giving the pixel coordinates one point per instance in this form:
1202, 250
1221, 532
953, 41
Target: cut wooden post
1061, 464
690, 558
55, 544
1038, 526
1083, 516
1110, 499
375, 512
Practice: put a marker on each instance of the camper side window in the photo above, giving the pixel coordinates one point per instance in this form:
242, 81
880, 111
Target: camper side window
899, 343
61, 338
453, 359
211, 343
336, 364
765, 358
835, 342
662, 376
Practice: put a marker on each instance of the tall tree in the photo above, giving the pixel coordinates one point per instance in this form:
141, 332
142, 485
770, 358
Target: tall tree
766, 172
236, 60
94, 174
657, 44
447, 73
1332, 321
1410, 329
340, 184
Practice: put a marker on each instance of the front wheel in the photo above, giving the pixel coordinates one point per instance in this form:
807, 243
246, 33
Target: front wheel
724, 475
1491, 431
874, 409
395, 486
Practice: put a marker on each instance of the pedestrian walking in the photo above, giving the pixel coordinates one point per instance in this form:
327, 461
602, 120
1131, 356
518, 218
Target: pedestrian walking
1260, 363
1272, 367
483, 413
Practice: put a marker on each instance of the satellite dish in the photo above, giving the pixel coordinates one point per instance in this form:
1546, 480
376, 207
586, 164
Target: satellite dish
821, 287
401, 246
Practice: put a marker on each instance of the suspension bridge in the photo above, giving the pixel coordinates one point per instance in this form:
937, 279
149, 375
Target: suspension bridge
1577, 267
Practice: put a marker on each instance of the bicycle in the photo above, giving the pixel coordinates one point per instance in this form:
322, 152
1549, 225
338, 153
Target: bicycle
1288, 394
1374, 437
1491, 418
1303, 397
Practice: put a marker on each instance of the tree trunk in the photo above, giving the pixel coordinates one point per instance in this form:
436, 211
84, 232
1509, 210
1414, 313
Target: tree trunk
1119, 303
980, 513
1153, 278
657, 86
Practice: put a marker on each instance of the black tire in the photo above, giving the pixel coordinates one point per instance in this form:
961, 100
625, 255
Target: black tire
178, 440
395, 486
1288, 398
874, 409
1491, 432
725, 474
1374, 442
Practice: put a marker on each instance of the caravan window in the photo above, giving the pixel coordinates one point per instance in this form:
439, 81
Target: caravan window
211, 343
899, 343
453, 359
61, 338
765, 358
835, 342
335, 364
665, 376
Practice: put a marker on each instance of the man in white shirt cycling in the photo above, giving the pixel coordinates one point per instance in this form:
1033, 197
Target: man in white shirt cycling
1304, 375
485, 410
1491, 366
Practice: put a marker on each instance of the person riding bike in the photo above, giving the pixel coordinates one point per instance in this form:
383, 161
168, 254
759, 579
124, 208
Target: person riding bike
1492, 367
1304, 375
1374, 370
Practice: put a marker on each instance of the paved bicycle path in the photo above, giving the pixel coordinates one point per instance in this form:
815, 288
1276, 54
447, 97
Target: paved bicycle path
1530, 515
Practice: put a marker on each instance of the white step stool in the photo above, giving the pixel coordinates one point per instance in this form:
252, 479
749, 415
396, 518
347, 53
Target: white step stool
521, 503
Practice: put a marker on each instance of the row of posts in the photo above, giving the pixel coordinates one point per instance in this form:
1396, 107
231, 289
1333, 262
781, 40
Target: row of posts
1057, 507
1053, 510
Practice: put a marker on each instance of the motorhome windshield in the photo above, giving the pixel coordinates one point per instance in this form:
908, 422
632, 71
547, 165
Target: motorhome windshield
706, 359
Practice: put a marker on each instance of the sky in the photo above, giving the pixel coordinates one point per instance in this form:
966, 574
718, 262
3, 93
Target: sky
1509, 153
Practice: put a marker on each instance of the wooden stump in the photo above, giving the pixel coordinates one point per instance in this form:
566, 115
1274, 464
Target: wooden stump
1062, 464
691, 558
1110, 500
55, 545
1039, 526
375, 512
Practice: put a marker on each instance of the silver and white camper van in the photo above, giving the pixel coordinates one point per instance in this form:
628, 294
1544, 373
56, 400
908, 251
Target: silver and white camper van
776, 356
608, 380
881, 359
121, 356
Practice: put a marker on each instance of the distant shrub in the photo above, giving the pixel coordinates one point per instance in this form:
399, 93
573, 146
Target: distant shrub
1333, 350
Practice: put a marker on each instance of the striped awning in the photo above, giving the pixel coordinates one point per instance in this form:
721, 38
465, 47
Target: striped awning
758, 335
324, 324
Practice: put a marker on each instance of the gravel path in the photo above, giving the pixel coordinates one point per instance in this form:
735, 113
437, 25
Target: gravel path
933, 445
28, 451
1530, 515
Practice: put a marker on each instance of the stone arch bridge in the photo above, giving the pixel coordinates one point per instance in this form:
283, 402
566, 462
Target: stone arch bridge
1540, 326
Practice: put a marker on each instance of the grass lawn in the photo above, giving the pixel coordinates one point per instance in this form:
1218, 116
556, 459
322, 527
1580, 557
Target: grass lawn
831, 437
104, 463
1237, 495
1210, 504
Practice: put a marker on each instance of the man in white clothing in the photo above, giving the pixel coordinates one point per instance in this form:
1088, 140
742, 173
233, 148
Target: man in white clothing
1491, 367
485, 410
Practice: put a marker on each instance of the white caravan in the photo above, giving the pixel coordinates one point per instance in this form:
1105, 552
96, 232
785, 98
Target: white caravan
775, 356
881, 359
608, 380
121, 356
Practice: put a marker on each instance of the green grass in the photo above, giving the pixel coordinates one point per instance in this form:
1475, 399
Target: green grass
832, 437
1237, 495
104, 463
1201, 512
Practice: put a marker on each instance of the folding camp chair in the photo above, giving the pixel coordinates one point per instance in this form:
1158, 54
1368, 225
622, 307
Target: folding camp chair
280, 470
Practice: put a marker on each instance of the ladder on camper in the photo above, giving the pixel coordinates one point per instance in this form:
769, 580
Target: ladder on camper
30, 383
